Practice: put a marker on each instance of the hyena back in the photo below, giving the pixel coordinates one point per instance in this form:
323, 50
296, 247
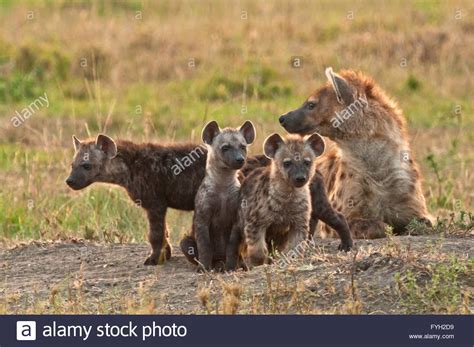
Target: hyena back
369, 172
217, 199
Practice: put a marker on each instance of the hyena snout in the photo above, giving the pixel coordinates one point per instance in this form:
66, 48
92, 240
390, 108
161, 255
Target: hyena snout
73, 183
240, 160
299, 175
236, 160
295, 122
77, 182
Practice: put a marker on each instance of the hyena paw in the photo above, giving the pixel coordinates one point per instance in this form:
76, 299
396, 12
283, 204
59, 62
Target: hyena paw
345, 246
168, 252
218, 266
204, 265
236, 264
203, 269
159, 258
151, 260
231, 265
244, 266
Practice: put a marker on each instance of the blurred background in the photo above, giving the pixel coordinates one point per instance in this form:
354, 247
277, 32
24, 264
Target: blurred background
158, 70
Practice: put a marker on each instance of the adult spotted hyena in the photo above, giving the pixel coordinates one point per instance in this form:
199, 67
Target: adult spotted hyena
370, 174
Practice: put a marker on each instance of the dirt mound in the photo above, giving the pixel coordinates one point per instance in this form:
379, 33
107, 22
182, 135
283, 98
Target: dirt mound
393, 275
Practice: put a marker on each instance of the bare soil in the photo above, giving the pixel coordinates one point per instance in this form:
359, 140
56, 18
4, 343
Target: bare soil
86, 277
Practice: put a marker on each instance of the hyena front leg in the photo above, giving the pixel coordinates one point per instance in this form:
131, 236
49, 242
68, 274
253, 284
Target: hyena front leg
233, 248
322, 210
257, 251
158, 237
297, 233
201, 227
313, 224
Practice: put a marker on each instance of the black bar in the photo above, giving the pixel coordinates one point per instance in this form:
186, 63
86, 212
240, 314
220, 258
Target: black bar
284, 330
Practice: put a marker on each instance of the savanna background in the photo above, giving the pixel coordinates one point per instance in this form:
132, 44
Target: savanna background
158, 71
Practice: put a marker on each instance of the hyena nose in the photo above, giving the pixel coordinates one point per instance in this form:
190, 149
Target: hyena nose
282, 119
300, 179
240, 160
69, 181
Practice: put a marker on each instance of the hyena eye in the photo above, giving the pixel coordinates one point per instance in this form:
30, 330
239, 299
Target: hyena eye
307, 162
287, 163
225, 148
243, 147
86, 166
311, 105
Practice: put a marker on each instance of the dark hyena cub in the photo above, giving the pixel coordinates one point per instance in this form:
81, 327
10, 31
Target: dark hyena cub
155, 176
275, 201
217, 199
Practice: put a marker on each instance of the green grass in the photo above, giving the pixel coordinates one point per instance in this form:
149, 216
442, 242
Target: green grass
147, 113
436, 289
138, 85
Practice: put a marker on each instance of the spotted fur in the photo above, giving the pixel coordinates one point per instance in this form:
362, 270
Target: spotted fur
148, 173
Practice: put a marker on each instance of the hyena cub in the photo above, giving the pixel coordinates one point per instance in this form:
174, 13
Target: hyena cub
217, 199
275, 201
152, 174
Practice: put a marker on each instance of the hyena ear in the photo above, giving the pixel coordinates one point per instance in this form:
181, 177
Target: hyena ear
248, 131
106, 145
271, 145
210, 131
76, 143
316, 142
345, 94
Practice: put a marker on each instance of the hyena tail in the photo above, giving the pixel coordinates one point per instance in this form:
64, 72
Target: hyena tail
189, 248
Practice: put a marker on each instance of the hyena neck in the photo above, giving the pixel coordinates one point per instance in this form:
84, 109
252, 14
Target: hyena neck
122, 168
117, 172
219, 176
